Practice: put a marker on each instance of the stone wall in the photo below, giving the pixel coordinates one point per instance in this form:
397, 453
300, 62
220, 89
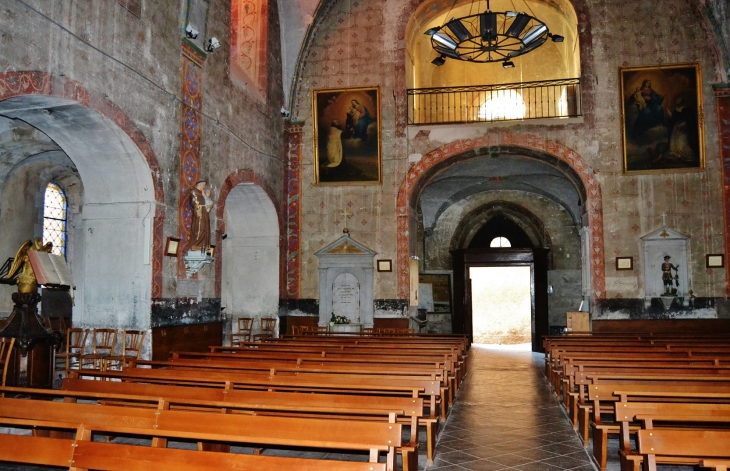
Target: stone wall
131, 60
357, 44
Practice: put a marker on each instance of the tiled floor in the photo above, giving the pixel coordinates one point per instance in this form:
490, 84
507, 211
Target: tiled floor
505, 417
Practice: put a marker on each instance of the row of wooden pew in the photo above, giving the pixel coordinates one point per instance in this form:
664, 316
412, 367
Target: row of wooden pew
669, 392
334, 394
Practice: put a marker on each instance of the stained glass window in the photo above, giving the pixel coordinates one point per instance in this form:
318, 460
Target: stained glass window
55, 209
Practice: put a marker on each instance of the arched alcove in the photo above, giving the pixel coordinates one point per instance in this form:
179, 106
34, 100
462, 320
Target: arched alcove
111, 251
250, 264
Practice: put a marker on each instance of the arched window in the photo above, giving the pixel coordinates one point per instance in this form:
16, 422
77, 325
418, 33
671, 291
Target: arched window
55, 212
500, 242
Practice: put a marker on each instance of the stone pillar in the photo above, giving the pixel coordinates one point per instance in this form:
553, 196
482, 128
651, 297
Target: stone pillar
294, 133
722, 95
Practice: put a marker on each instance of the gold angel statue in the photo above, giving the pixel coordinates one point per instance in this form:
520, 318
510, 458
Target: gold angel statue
26, 281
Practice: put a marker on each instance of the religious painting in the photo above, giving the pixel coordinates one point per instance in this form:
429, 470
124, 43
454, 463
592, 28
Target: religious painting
662, 118
347, 136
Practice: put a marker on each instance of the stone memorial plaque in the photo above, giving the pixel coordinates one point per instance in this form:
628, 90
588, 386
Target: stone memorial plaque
346, 296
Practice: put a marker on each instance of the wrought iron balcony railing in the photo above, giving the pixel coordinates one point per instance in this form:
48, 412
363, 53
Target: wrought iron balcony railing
487, 103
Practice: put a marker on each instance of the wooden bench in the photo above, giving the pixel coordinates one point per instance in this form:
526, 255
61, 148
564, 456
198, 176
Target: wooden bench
81, 454
408, 410
628, 413
683, 446
602, 398
215, 429
310, 383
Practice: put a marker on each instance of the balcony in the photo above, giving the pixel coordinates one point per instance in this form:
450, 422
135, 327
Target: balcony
495, 103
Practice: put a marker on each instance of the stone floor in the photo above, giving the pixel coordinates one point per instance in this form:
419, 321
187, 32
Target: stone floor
505, 418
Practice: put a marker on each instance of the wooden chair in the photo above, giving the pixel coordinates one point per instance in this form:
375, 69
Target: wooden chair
245, 326
104, 341
6, 349
268, 324
132, 341
74, 347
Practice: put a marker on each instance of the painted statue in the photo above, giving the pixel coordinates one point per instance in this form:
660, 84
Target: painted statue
201, 204
667, 277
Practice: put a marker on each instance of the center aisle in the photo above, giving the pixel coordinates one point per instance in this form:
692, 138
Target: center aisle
506, 417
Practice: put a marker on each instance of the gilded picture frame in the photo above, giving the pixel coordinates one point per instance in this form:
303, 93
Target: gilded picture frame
347, 136
662, 118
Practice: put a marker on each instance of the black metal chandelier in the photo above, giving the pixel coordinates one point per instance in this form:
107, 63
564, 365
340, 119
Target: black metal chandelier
489, 37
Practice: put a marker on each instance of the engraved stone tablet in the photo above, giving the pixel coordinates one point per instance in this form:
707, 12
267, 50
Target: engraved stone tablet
346, 296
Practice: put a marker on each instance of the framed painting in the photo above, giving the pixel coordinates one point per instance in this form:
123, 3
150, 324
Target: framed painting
347, 136
662, 118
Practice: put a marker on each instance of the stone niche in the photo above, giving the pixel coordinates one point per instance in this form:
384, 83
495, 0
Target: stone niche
346, 282
656, 245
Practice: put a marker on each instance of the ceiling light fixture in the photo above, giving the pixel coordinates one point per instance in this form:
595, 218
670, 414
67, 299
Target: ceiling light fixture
489, 37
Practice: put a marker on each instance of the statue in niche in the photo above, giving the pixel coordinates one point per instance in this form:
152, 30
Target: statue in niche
667, 277
201, 204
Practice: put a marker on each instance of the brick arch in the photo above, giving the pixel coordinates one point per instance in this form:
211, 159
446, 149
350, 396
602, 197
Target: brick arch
417, 175
236, 178
15, 84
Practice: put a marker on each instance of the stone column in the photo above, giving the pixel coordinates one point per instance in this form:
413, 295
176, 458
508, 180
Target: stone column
722, 95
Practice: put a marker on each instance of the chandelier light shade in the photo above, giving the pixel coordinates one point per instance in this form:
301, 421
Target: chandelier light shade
489, 37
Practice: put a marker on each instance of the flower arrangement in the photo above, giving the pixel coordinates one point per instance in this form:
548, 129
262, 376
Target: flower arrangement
339, 319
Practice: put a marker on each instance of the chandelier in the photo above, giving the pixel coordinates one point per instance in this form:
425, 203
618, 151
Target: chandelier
489, 37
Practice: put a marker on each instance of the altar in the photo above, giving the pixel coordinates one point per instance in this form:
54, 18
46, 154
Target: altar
345, 328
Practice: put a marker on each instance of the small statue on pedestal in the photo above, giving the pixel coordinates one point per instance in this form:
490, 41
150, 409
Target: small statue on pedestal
667, 277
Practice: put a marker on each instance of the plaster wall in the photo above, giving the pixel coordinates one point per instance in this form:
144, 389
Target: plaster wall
358, 44
135, 63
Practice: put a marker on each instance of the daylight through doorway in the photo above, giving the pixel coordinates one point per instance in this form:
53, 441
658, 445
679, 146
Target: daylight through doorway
501, 304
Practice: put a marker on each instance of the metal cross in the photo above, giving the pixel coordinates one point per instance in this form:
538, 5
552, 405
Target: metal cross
345, 214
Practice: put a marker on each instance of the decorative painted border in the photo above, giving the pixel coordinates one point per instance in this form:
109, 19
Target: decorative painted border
412, 183
190, 147
14, 84
243, 176
294, 136
722, 95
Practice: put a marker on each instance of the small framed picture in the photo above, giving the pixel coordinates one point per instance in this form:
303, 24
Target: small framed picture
171, 246
716, 260
385, 265
211, 251
624, 263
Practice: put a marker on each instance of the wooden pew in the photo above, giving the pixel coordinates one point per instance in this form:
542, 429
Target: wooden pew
695, 413
81, 454
408, 410
309, 383
263, 366
373, 437
683, 446
602, 398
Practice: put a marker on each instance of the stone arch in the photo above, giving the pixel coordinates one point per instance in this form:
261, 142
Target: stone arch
236, 178
531, 225
248, 266
419, 175
123, 193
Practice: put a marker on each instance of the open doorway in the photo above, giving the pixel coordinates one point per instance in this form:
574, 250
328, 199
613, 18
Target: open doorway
501, 304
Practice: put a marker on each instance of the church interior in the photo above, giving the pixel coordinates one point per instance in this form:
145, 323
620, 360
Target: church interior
198, 179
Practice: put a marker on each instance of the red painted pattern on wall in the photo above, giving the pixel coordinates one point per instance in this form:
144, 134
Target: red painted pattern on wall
294, 134
190, 145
